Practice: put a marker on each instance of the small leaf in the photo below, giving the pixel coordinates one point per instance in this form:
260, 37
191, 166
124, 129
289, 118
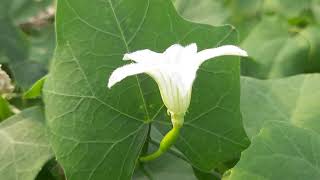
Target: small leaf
24, 145
5, 110
36, 89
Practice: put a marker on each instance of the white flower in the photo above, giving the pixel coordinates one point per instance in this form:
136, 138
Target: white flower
6, 86
174, 71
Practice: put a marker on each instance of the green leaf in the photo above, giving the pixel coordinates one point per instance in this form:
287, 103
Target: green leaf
280, 151
205, 11
5, 110
24, 145
281, 36
275, 51
167, 167
315, 7
98, 133
294, 100
243, 14
36, 89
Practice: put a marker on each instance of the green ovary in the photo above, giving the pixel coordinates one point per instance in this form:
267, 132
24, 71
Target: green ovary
168, 140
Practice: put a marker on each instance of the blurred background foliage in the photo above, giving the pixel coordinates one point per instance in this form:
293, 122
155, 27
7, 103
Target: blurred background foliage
282, 38
27, 39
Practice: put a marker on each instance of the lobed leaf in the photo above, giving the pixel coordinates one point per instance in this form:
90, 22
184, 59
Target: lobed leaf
98, 133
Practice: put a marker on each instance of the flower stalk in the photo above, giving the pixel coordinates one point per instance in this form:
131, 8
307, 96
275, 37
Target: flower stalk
168, 140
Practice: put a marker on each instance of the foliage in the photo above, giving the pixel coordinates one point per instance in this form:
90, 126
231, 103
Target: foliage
281, 36
62, 122
24, 145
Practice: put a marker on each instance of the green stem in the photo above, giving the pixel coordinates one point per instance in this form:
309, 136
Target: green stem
168, 140
171, 151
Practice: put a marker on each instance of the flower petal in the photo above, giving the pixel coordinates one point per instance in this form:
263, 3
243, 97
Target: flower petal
143, 56
179, 54
174, 91
191, 48
220, 51
128, 70
173, 49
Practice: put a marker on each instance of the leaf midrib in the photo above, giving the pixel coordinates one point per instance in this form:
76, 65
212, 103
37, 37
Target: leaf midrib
85, 75
128, 50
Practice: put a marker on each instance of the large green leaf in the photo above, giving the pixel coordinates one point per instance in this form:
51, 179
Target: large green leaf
294, 100
277, 49
280, 151
24, 146
282, 119
98, 133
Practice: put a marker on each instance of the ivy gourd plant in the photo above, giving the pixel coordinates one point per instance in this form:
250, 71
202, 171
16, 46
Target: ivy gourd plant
159, 89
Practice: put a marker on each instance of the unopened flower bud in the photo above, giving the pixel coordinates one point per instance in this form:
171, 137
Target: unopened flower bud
6, 86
